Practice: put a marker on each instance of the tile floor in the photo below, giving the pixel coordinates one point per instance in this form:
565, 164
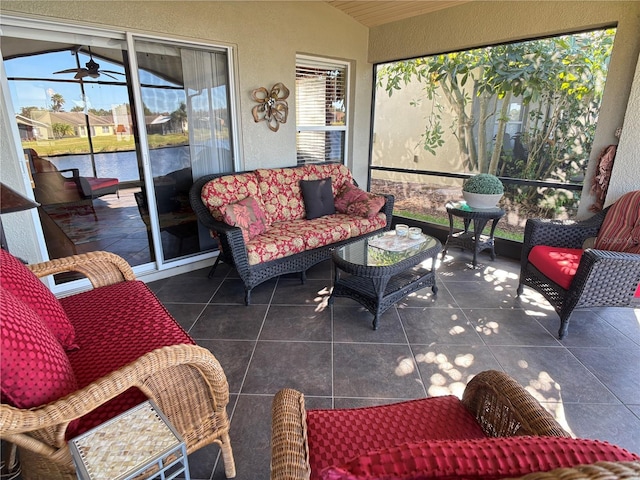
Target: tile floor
425, 346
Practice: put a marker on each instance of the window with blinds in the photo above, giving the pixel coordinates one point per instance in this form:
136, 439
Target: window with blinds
321, 106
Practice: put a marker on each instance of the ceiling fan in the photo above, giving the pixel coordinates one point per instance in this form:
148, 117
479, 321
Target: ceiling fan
92, 69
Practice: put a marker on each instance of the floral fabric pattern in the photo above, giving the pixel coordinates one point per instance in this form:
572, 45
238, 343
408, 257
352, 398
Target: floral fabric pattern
354, 201
222, 191
274, 244
249, 215
281, 194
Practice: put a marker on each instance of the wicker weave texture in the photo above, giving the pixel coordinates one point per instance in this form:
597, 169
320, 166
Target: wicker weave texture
595, 471
603, 278
501, 406
186, 381
234, 252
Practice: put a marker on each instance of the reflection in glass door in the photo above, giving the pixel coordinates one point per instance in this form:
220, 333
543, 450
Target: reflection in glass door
71, 96
187, 121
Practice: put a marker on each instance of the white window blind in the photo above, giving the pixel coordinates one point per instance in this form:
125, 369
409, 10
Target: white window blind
321, 106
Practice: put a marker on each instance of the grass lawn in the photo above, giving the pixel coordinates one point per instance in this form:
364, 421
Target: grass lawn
457, 223
102, 143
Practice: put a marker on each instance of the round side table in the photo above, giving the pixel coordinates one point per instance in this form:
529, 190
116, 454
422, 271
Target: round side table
472, 240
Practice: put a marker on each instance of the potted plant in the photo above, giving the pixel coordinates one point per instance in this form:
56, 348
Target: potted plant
482, 191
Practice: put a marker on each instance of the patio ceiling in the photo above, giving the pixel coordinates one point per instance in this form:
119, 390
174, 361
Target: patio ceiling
374, 13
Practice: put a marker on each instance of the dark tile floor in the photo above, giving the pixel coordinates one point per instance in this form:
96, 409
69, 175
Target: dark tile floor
425, 346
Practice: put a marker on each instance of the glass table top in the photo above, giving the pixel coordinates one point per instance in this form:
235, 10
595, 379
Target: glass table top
385, 249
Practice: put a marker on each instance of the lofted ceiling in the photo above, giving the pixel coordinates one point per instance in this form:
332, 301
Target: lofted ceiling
374, 13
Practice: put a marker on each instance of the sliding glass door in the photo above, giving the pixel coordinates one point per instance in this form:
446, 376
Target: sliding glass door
114, 132
187, 122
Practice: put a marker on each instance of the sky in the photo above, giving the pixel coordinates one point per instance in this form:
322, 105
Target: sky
37, 93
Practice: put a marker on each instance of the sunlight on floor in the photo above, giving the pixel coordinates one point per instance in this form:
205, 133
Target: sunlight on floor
451, 379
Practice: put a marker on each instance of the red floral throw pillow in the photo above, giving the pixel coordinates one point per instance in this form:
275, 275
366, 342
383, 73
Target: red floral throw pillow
35, 368
249, 215
21, 282
354, 201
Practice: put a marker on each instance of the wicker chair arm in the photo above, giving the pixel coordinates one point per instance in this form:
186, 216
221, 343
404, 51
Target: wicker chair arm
594, 471
604, 277
289, 447
504, 408
101, 268
168, 375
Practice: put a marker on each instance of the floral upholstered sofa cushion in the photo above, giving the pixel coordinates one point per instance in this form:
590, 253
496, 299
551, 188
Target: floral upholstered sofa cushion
285, 230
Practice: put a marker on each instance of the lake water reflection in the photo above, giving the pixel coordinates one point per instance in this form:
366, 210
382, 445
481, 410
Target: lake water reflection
124, 165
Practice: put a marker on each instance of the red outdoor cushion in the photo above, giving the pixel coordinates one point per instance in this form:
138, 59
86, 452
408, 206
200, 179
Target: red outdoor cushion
486, 458
354, 201
337, 436
556, 263
35, 368
620, 230
113, 332
248, 214
19, 280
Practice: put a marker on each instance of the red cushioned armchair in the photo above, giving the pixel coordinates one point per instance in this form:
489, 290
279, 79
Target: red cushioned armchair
73, 363
556, 263
497, 430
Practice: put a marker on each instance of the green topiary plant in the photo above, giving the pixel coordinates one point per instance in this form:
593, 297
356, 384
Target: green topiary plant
483, 183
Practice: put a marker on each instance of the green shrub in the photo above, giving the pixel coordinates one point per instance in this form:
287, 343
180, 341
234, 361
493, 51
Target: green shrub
483, 183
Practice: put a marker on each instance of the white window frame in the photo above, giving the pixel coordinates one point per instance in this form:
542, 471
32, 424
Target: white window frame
323, 62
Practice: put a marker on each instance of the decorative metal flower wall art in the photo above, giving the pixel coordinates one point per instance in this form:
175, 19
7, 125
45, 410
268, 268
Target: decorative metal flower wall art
272, 106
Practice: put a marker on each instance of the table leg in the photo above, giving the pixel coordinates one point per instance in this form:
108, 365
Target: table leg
491, 239
478, 228
444, 250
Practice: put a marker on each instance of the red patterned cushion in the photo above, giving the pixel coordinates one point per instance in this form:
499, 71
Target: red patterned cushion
104, 314
35, 368
274, 244
280, 189
340, 174
228, 189
249, 215
337, 436
556, 263
620, 230
487, 458
20, 281
354, 201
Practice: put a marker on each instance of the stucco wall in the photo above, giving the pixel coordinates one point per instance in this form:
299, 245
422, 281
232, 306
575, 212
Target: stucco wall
626, 172
267, 36
481, 23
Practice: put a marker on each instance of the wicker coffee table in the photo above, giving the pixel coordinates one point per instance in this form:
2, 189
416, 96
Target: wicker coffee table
379, 271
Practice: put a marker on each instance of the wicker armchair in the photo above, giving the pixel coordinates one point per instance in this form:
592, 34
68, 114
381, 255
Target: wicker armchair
431, 438
501, 406
186, 381
603, 277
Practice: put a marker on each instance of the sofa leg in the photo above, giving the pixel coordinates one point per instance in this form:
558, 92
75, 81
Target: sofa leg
213, 268
247, 296
519, 290
303, 277
564, 328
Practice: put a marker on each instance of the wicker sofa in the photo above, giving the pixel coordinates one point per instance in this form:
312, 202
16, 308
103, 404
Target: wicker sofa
70, 364
282, 237
497, 430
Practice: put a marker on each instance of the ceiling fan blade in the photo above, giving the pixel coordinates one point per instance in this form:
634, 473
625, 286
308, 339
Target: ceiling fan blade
68, 70
111, 71
83, 72
95, 74
104, 72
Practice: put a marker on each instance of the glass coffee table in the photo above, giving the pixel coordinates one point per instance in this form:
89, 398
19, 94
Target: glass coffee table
379, 271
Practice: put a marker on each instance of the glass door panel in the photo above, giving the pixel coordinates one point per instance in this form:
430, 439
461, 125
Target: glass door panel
73, 109
185, 102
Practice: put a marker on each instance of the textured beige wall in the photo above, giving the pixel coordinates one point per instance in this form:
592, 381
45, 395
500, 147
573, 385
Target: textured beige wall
626, 173
481, 23
267, 36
